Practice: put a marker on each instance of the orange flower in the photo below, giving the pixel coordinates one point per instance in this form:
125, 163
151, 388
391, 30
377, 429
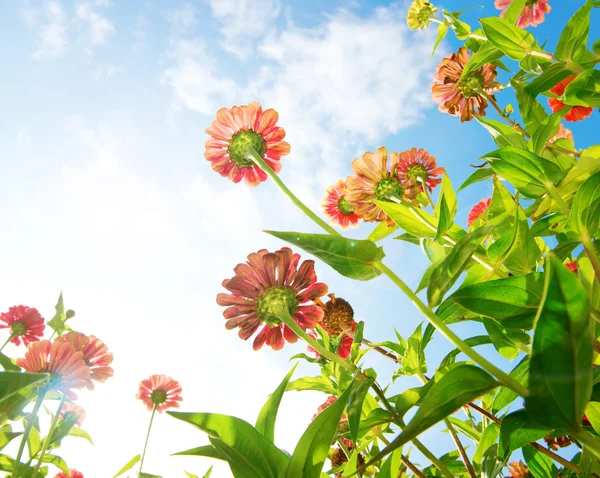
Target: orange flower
532, 14
418, 166
518, 470
563, 133
337, 208
160, 391
65, 365
25, 323
478, 210
577, 113
72, 474
95, 355
70, 409
237, 128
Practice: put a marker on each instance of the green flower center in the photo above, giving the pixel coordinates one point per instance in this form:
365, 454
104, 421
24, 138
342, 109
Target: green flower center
239, 144
472, 85
18, 329
272, 301
530, 3
344, 206
388, 187
158, 397
417, 171
425, 15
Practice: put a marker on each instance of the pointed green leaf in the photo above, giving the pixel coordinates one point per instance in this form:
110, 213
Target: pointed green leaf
505, 396
515, 42
585, 210
356, 399
488, 53
518, 430
573, 40
477, 176
381, 231
508, 342
546, 131
130, 464
319, 384
208, 451
12, 383
502, 134
584, 90
540, 466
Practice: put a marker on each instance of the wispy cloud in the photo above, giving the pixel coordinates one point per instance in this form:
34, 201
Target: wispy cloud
52, 34
95, 26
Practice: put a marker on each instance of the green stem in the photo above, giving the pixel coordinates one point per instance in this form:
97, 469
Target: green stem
36, 408
12, 336
475, 36
260, 162
563, 150
432, 458
506, 379
49, 436
590, 250
559, 200
541, 54
147, 438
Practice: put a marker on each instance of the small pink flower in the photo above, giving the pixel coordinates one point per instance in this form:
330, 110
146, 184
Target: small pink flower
71, 408
576, 113
233, 131
563, 133
337, 208
417, 164
478, 210
572, 266
160, 391
25, 323
72, 474
532, 14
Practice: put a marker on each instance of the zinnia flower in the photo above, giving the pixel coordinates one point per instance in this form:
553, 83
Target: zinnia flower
572, 266
25, 323
518, 470
263, 286
95, 355
237, 128
66, 366
532, 14
418, 166
338, 318
72, 474
563, 133
160, 391
375, 178
337, 208
478, 210
464, 99
70, 409
420, 14
576, 113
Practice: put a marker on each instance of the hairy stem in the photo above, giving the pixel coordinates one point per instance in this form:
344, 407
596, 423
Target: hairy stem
49, 436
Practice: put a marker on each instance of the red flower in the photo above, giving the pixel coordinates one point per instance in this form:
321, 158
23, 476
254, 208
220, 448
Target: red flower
237, 128
160, 391
71, 408
330, 401
72, 474
416, 164
532, 14
572, 266
343, 350
95, 355
478, 210
66, 366
577, 113
25, 324
337, 208
563, 133
263, 286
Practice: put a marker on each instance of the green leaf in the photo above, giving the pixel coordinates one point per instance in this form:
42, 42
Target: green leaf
413, 360
208, 472
560, 367
57, 461
585, 210
319, 384
551, 76
584, 90
12, 382
251, 448
540, 466
8, 364
414, 221
529, 173
477, 176
515, 42
381, 231
79, 433
546, 131
191, 475
488, 438
311, 451
58, 322
507, 342
573, 40
446, 208
208, 451
409, 398
502, 134
488, 53
356, 399
265, 423
130, 464
460, 28
532, 112
63, 429
7, 437
350, 257
592, 412
518, 430
505, 396
391, 467
441, 34
466, 428
513, 12
471, 342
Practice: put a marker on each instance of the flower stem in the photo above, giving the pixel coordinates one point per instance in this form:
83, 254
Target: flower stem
49, 436
261, 163
36, 408
503, 377
147, 438
12, 336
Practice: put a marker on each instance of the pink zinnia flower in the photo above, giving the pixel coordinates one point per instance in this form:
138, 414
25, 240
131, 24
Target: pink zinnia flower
563, 133
72, 474
532, 14
343, 350
25, 324
265, 284
233, 131
160, 391
572, 266
478, 210
71, 408
66, 366
95, 355
576, 113
418, 166
337, 208
462, 99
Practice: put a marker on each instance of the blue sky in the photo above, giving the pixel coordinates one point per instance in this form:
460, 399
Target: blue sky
107, 195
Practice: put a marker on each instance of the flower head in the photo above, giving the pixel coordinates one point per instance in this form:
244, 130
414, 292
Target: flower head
466, 97
267, 284
160, 391
420, 14
576, 113
479, 208
518, 470
572, 266
376, 178
418, 166
65, 365
338, 319
237, 128
337, 208
72, 409
330, 401
563, 133
532, 14
72, 474
95, 355
25, 324
558, 442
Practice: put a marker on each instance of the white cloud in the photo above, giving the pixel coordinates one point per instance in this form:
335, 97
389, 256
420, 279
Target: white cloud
182, 18
104, 72
52, 35
97, 28
243, 21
